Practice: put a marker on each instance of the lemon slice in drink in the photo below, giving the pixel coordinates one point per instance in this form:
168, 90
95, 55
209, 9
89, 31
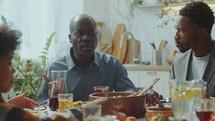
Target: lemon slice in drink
175, 94
194, 92
197, 92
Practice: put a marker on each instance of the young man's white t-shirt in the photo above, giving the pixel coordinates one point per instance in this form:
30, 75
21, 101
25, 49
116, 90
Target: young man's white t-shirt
197, 67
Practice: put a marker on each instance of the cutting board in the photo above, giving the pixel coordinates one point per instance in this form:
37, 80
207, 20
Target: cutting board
129, 52
104, 43
116, 50
137, 49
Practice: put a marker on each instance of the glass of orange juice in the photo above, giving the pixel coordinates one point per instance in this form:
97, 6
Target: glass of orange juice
65, 101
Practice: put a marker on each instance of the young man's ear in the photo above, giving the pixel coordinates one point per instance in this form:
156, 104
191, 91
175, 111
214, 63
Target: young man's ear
202, 32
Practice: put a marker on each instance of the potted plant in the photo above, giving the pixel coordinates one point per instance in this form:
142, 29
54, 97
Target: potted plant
28, 75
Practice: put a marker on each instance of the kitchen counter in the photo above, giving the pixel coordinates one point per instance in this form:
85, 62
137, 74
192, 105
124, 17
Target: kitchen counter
142, 75
147, 67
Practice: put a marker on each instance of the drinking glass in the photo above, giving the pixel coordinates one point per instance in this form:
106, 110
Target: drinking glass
101, 88
205, 108
183, 93
65, 101
92, 112
58, 87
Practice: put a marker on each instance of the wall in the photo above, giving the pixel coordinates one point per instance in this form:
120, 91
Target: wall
64, 11
144, 25
37, 19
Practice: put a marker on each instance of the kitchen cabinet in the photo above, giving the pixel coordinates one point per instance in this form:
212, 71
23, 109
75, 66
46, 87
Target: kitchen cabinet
142, 76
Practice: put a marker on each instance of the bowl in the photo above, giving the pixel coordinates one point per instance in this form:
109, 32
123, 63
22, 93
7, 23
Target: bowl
131, 106
153, 112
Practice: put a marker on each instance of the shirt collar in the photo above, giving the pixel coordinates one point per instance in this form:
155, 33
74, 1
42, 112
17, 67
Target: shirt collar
71, 64
97, 57
69, 60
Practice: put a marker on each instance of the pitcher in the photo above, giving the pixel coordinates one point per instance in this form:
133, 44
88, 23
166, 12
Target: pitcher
183, 94
58, 87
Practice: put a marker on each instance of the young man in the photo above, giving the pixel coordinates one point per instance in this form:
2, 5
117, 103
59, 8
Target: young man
193, 39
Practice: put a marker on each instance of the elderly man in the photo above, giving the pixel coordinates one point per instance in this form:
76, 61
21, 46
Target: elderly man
193, 39
86, 68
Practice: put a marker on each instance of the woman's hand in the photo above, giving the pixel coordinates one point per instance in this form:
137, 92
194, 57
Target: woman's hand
23, 101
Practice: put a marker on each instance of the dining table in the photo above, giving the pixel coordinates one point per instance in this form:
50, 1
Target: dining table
41, 111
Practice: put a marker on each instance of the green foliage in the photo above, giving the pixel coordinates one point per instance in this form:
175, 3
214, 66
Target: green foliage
4, 20
160, 117
131, 15
167, 14
46, 48
160, 104
28, 75
133, 5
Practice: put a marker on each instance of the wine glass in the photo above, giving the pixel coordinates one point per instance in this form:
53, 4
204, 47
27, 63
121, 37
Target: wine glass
101, 89
205, 108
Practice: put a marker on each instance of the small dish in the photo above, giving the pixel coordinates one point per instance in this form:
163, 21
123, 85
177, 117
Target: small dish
153, 112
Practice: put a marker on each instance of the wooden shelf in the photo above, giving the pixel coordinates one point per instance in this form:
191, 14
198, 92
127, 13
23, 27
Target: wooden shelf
184, 3
149, 6
169, 5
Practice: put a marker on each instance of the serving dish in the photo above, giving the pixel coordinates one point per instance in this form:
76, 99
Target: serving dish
131, 106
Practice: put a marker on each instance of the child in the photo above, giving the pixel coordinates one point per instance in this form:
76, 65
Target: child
9, 40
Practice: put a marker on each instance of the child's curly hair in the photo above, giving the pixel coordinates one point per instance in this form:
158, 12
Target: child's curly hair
9, 39
200, 13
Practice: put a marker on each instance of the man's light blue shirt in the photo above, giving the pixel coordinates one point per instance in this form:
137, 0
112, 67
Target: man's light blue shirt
105, 70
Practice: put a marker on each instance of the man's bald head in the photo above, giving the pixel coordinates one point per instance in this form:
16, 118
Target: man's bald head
79, 17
